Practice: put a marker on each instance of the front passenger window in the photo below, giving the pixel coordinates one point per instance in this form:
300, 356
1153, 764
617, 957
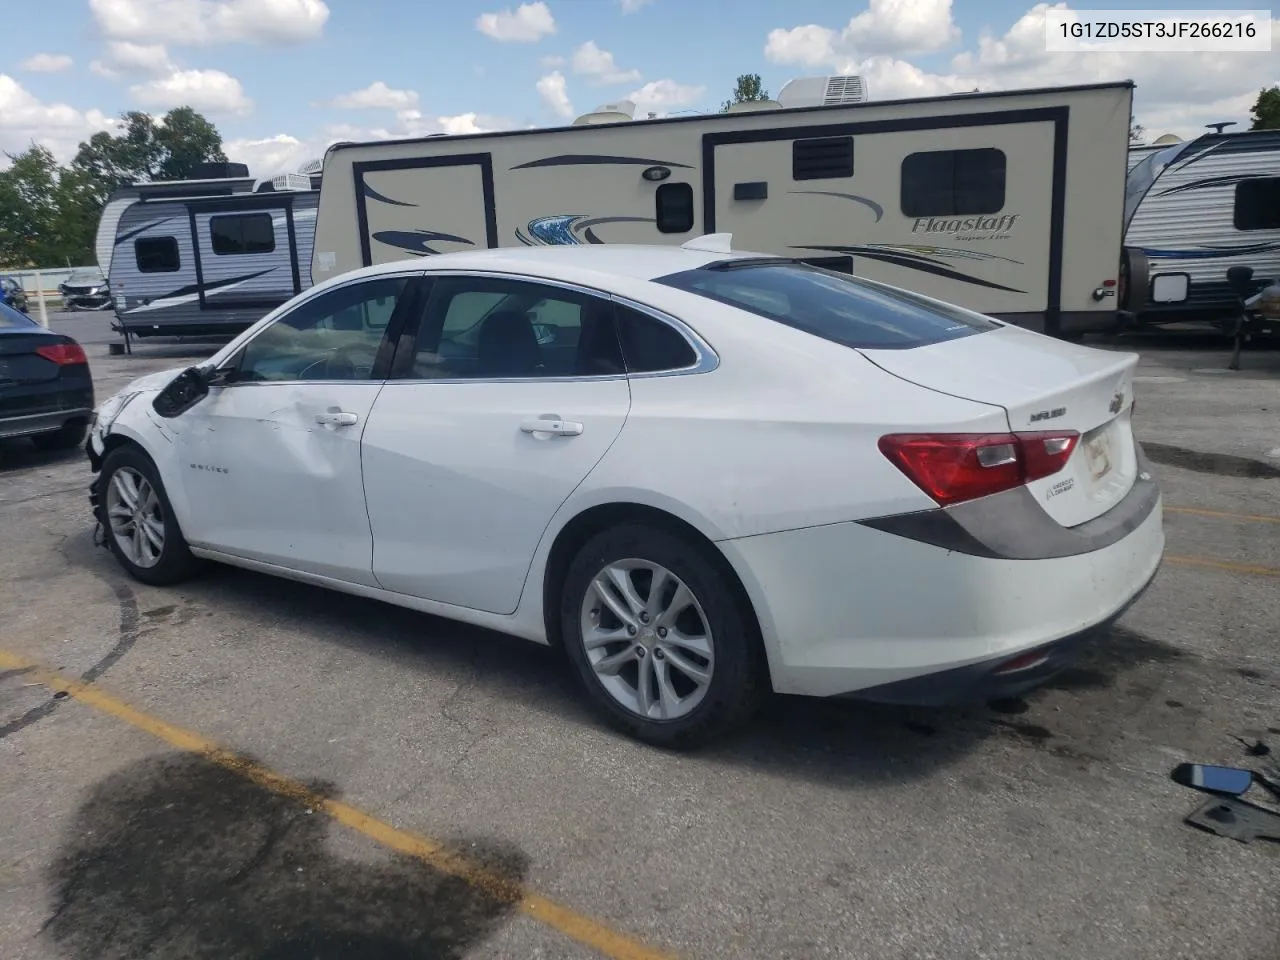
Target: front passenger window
335, 336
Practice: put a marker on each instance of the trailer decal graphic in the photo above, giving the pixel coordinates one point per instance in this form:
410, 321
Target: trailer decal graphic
146, 226
417, 241
568, 229
875, 207
192, 291
909, 258
1209, 252
583, 159
1224, 181
370, 192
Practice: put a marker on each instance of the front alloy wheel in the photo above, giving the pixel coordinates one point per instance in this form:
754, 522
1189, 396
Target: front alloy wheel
136, 517
647, 639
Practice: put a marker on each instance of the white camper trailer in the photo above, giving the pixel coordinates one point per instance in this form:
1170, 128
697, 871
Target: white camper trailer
1192, 211
208, 256
963, 198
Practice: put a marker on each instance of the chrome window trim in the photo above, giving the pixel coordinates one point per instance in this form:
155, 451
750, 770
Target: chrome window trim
706, 357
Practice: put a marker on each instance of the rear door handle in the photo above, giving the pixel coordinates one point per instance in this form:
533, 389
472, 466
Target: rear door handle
339, 418
557, 428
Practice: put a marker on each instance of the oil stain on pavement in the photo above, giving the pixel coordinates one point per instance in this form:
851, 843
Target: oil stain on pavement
176, 857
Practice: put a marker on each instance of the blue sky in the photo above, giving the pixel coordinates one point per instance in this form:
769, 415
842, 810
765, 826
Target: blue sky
282, 78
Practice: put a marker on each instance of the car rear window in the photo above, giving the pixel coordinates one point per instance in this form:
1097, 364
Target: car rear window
12, 319
830, 305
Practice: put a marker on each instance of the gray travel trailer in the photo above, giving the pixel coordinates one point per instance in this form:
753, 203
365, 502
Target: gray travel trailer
208, 256
963, 197
1192, 211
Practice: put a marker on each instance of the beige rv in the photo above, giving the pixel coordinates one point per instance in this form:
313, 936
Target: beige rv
1007, 203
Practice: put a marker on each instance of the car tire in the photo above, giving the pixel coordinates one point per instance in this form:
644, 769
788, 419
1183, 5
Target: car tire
738, 676
65, 438
169, 563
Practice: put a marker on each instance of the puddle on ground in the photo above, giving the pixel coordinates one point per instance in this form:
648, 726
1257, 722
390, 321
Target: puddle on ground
1219, 464
176, 857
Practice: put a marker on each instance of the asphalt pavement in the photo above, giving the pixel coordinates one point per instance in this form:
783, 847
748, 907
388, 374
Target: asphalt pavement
246, 767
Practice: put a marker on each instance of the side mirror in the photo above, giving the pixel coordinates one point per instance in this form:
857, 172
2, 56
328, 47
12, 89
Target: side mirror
183, 392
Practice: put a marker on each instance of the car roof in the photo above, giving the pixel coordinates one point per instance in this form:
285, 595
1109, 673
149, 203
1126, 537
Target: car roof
632, 261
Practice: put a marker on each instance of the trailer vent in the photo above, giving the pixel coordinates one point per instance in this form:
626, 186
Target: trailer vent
845, 90
824, 158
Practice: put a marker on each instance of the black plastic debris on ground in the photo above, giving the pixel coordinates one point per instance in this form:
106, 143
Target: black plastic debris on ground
1237, 819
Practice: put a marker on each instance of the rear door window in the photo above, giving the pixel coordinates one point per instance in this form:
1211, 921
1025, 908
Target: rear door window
834, 306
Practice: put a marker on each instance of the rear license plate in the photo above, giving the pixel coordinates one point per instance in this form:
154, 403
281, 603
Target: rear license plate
1097, 453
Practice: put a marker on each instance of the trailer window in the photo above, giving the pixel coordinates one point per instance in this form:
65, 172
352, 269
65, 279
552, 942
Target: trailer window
824, 158
946, 183
674, 208
156, 254
242, 233
1257, 205
846, 310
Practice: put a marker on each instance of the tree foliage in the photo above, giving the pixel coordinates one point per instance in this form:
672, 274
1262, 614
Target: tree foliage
1266, 110
748, 87
49, 213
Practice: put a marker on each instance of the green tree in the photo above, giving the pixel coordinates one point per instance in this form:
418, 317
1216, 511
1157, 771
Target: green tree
49, 214
749, 87
1266, 110
1136, 132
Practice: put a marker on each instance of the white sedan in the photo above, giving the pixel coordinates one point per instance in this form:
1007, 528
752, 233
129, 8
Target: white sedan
704, 474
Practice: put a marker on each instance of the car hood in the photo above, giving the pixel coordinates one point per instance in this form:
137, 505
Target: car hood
153, 381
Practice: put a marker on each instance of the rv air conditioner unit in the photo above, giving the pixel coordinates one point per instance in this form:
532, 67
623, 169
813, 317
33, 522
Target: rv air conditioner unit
312, 167
754, 106
282, 182
620, 111
822, 91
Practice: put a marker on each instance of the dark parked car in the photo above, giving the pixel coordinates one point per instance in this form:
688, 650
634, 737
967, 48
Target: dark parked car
11, 292
46, 391
85, 290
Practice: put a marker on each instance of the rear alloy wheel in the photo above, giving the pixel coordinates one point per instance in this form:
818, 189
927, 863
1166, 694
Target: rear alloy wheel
659, 638
142, 531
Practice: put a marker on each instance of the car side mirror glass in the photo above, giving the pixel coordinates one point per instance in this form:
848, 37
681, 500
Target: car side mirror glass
183, 392
1230, 781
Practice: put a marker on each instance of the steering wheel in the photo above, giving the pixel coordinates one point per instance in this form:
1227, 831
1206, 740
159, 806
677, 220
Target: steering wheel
337, 365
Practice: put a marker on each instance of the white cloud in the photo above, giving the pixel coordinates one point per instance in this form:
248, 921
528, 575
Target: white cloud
126, 57
24, 119
551, 89
661, 96
1175, 92
376, 96
886, 27
210, 91
269, 156
47, 63
589, 59
199, 22
528, 23
631, 6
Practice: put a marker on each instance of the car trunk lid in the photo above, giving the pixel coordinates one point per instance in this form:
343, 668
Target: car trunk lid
1043, 384
19, 362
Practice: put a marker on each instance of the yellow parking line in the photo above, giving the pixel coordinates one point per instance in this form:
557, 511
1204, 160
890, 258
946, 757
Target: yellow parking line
584, 929
1222, 515
1225, 565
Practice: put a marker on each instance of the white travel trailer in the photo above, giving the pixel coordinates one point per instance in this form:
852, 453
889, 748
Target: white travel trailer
963, 197
1192, 211
208, 256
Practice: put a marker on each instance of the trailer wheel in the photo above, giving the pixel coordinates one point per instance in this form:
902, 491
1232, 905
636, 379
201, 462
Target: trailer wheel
1135, 278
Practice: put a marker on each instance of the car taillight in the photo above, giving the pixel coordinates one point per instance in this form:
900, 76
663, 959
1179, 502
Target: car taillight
63, 353
954, 467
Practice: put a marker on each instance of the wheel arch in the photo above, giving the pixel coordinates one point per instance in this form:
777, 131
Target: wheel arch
592, 520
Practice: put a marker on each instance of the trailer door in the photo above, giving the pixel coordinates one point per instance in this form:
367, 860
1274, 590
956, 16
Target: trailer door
419, 206
962, 211
246, 258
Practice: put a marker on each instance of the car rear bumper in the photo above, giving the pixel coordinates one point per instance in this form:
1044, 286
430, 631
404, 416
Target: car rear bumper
849, 608
29, 424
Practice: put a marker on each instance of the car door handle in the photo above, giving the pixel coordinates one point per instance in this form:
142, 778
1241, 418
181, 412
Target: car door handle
339, 418
557, 428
